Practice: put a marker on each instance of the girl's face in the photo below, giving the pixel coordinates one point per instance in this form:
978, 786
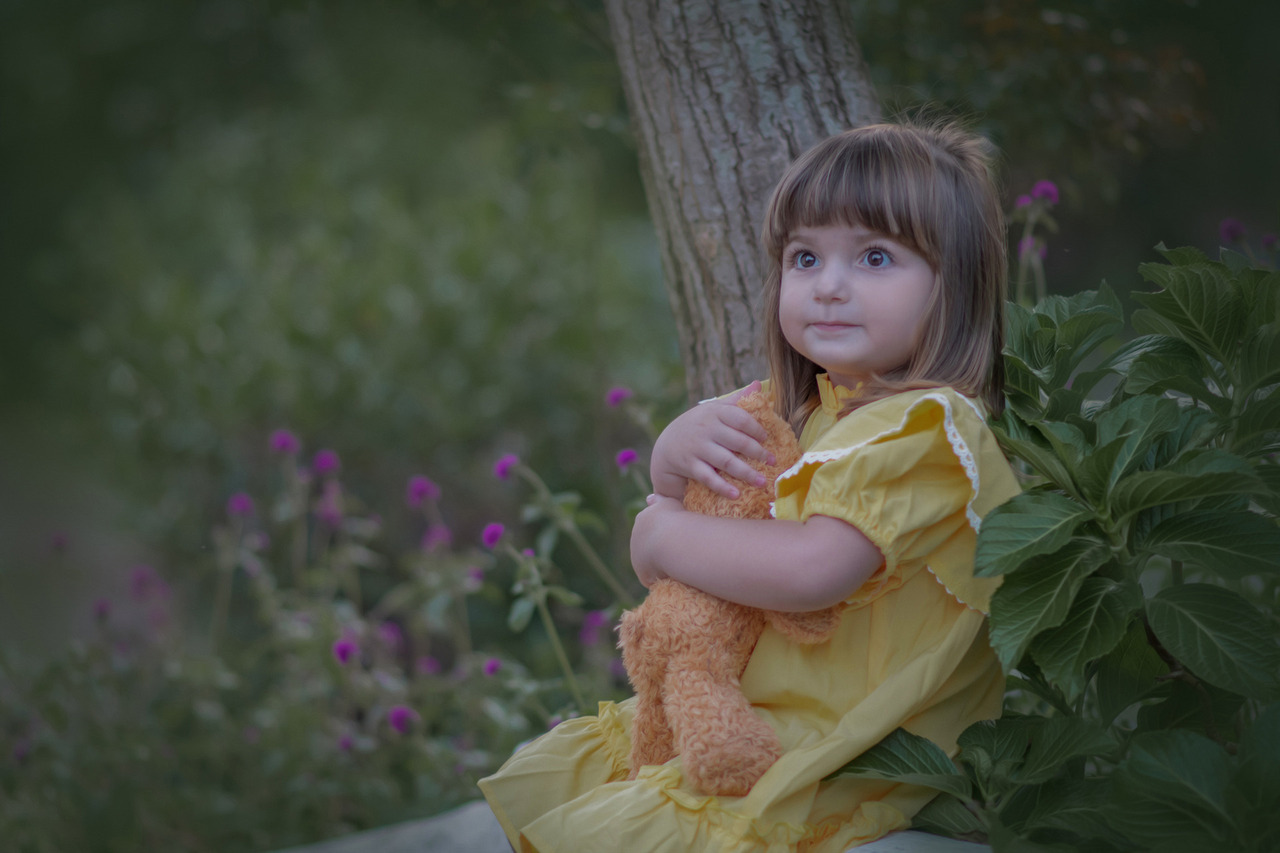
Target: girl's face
852, 300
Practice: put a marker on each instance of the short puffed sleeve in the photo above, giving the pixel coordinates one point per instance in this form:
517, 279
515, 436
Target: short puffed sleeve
914, 473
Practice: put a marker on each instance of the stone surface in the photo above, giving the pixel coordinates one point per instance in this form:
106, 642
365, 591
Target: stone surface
473, 829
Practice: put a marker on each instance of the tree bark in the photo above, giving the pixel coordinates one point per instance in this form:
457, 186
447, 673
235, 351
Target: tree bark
723, 95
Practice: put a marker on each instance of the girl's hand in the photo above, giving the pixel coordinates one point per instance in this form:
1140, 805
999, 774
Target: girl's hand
702, 445
646, 534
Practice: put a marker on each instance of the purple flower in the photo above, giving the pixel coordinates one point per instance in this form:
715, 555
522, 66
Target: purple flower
1268, 241
625, 458
592, 622
146, 585
1231, 230
325, 462
617, 396
529, 552
492, 533
239, 505
391, 635
554, 721
346, 742
1046, 190
421, 489
617, 669
427, 665
101, 609
502, 468
1023, 201
283, 441
436, 536
344, 650
491, 667
475, 579
401, 717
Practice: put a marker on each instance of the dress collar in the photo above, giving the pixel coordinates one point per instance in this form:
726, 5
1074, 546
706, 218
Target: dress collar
834, 396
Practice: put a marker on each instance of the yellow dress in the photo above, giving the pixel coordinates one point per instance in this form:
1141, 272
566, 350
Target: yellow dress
915, 473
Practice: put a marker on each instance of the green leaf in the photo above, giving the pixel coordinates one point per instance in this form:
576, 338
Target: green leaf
1096, 622
1231, 544
946, 815
910, 759
1270, 498
1127, 673
1170, 793
1124, 435
1198, 304
546, 541
1081, 333
1261, 292
1027, 525
1235, 261
436, 611
564, 596
521, 613
1196, 429
1254, 795
995, 749
1207, 473
1018, 441
1257, 427
1260, 359
1038, 596
1183, 706
1066, 439
1075, 805
1220, 637
1062, 404
1006, 839
1057, 742
1182, 256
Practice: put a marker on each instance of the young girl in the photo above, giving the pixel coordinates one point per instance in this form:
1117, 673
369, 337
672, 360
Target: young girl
883, 307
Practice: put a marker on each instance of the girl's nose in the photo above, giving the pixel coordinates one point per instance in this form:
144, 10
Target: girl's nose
830, 286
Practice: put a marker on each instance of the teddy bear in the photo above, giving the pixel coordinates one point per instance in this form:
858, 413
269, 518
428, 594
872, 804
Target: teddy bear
685, 650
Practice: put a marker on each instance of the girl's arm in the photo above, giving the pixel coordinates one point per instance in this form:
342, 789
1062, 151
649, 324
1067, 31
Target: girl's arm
789, 566
701, 445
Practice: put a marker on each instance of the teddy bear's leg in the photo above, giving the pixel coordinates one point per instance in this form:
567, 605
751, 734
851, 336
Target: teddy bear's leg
652, 741
724, 746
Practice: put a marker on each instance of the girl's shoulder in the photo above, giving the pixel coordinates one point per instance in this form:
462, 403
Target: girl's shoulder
943, 410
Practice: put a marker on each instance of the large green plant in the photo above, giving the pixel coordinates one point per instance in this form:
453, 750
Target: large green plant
1137, 617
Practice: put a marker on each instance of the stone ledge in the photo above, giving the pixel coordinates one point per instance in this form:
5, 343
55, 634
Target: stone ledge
473, 829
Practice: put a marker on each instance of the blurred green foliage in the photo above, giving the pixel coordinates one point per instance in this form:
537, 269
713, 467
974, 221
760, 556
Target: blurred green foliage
364, 223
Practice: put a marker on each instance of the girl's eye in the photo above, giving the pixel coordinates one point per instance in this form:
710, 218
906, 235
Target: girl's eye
876, 258
803, 259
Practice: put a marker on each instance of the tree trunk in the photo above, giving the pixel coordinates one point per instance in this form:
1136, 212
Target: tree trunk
723, 95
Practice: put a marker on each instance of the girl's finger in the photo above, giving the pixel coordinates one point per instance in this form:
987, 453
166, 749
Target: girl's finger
743, 422
710, 477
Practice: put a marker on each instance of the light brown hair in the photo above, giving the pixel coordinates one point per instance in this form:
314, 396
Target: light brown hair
929, 187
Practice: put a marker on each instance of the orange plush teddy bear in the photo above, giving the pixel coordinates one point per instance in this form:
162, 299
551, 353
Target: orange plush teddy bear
685, 650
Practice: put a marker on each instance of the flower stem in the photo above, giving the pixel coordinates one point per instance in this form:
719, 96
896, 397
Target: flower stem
553, 634
593, 560
565, 522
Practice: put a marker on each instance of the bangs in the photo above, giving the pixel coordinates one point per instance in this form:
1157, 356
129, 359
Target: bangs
874, 180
